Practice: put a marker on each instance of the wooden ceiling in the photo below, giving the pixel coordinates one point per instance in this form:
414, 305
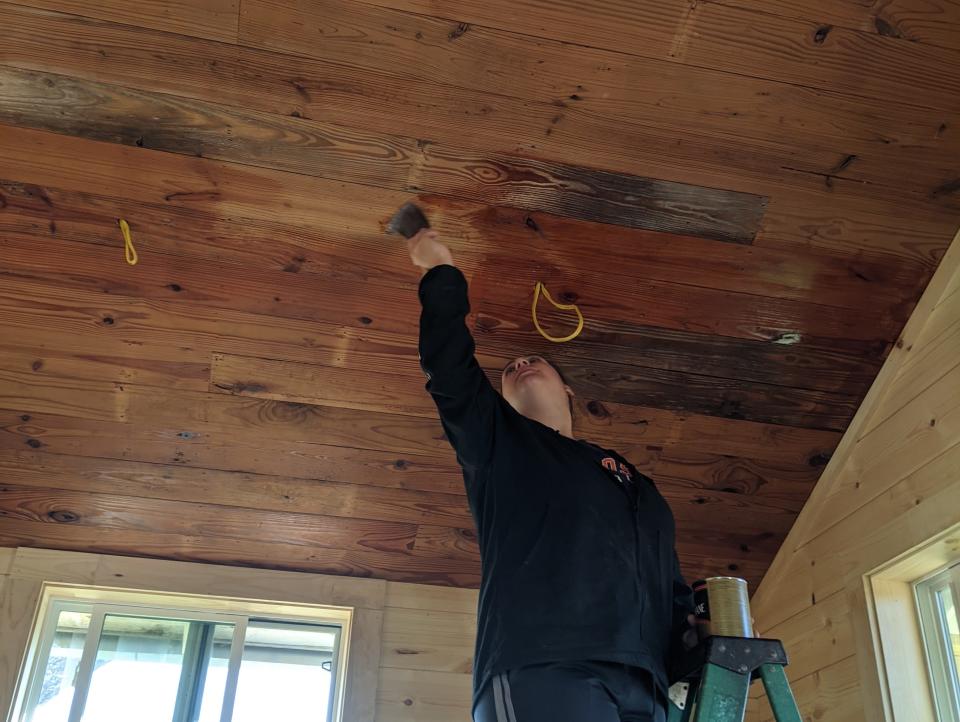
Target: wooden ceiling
745, 205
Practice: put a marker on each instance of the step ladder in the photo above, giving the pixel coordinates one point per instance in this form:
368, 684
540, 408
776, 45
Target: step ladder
714, 680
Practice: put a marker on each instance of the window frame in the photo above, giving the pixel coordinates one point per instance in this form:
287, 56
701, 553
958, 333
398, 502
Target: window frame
101, 601
938, 650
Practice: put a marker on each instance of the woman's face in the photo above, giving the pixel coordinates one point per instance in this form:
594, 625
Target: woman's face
531, 382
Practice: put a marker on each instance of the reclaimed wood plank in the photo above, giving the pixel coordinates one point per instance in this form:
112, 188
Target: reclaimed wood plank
25, 390
172, 332
722, 36
207, 238
321, 299
42, 355
716, 37
392, 393
850, 223
293, 454
344, 387
818, 55
685, 474
675, 102
210, 19
134, 117
194, 548
277, 493
928, 22
42, 158
111, 511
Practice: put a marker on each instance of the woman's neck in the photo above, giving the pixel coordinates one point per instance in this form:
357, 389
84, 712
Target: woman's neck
557, 419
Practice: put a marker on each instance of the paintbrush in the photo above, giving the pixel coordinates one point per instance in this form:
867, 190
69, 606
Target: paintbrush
408, 221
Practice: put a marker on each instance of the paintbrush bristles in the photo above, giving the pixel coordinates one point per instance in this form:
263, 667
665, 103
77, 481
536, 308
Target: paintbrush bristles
408, 221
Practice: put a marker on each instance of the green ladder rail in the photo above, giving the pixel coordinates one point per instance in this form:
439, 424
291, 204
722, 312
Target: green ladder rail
714, 680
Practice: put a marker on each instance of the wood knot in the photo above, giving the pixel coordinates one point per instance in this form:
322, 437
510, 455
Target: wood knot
37, 365
821, 34
458, 31
365, 320
732, 567
408, 701
401, 464
486, 323
34, 443
108, 320
568, 297
886, 29
175, 287
818, 460
25, 418
63, 516
597, 410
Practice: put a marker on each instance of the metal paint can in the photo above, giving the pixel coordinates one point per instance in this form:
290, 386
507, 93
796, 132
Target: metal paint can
722, 607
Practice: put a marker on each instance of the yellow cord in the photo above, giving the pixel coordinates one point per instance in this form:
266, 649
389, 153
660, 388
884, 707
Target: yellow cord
129, 252
562, 306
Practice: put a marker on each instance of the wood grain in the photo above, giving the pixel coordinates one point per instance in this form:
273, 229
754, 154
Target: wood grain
110, 511
337, 93
423, 696
206, 237
168, 331
294, 454
250, 392
313, 298
830, 693
319, 385
250, 192
231, 489
428, 640
434, 50
252, 553
767, 45
105, 112
651, 387
211, 19
931, 22
869, 515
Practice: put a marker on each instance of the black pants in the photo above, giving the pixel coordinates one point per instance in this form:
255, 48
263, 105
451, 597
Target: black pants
571, 692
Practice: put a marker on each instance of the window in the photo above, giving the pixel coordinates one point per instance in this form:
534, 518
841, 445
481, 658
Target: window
938, 599
152, 658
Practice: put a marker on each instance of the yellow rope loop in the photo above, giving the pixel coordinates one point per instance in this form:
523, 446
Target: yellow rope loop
129, 252
561, 306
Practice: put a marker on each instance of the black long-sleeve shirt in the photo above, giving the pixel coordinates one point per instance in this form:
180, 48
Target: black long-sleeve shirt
576, 546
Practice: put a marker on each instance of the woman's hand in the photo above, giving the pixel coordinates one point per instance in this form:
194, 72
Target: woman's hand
426, 251
690, 638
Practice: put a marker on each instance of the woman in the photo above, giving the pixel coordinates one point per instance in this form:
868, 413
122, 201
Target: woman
581, 598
